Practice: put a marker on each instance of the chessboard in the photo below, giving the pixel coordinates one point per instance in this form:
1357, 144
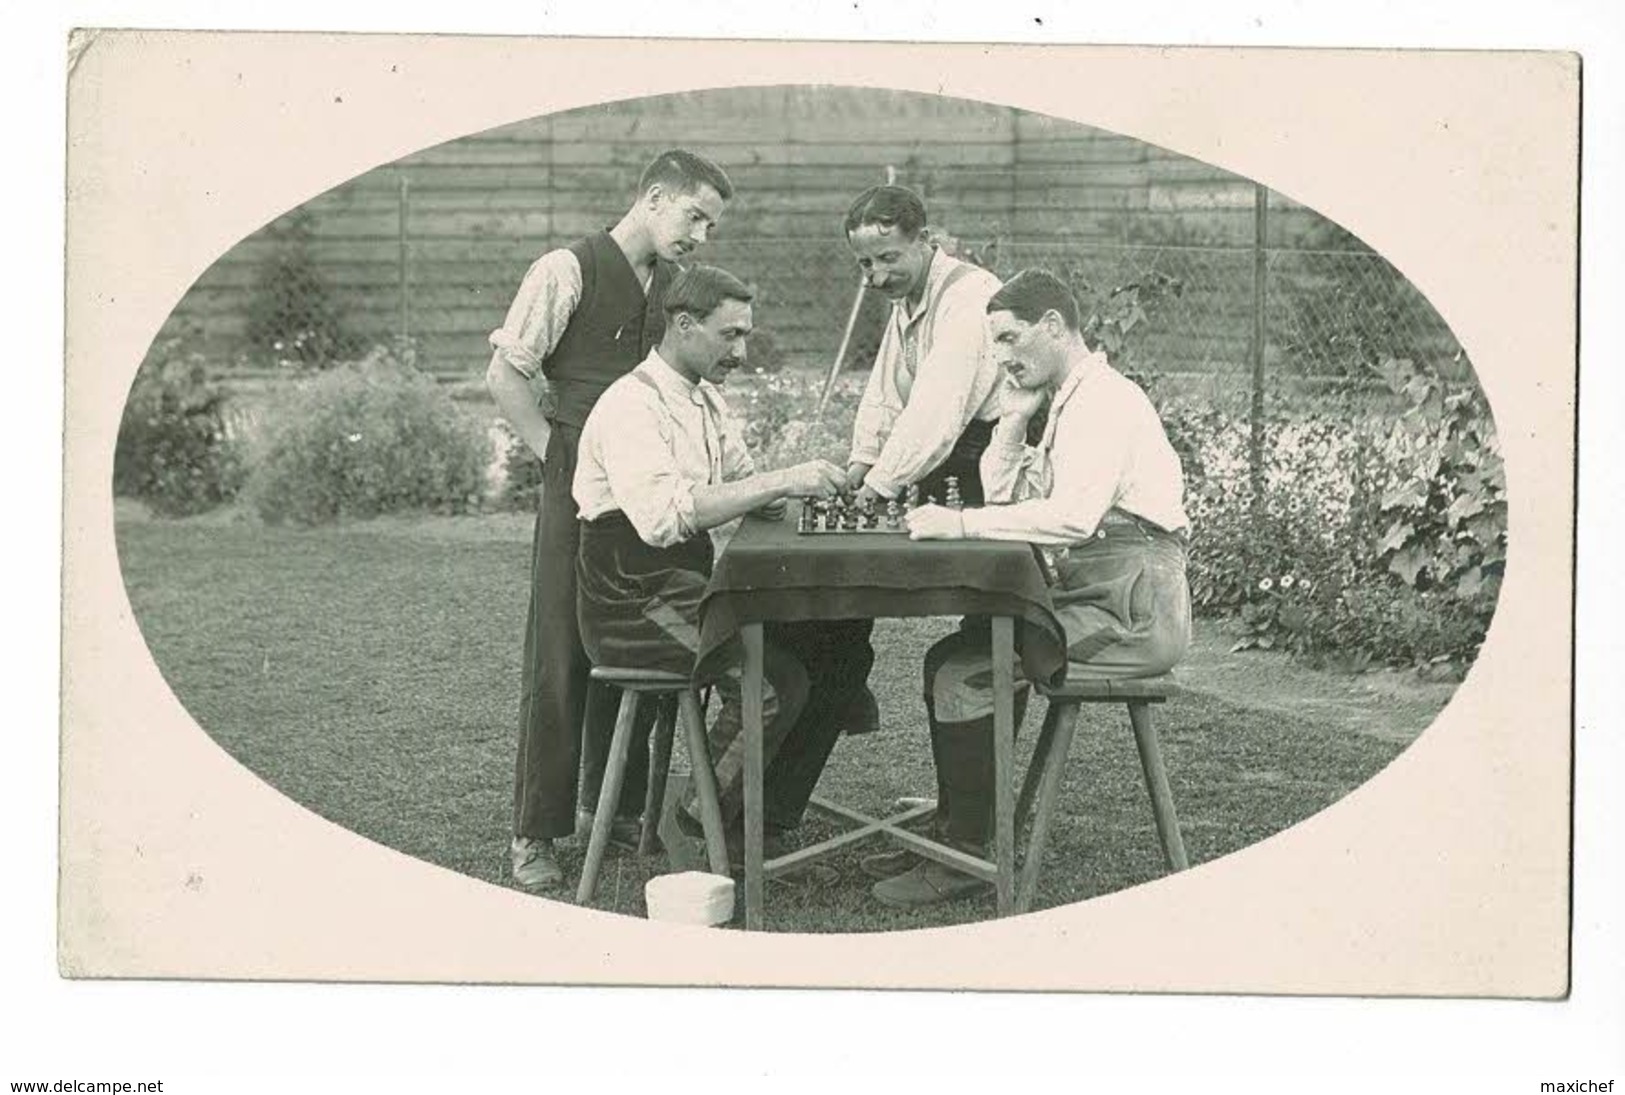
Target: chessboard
844, 515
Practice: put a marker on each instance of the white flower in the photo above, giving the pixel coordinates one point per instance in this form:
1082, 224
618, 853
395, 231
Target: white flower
1266, 585
1286, 581
353, 438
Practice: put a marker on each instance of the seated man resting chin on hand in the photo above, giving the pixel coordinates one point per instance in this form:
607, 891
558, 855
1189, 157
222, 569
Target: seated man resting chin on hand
660, 465
1102, 496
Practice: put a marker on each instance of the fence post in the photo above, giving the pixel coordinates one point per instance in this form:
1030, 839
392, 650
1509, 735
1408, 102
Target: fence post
1255, 413
403, 204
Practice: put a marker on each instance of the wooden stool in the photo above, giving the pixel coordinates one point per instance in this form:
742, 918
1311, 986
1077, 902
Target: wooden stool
634, 685
1049, 759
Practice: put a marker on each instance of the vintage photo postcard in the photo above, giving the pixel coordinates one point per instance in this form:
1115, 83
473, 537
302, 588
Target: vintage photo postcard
675, 513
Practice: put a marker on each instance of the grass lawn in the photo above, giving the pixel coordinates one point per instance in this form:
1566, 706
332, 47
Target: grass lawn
371, 671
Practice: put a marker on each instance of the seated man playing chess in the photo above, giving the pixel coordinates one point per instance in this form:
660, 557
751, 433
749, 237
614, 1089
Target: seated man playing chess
1102, 495
661, 463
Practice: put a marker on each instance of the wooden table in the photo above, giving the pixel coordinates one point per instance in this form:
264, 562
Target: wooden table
769, 571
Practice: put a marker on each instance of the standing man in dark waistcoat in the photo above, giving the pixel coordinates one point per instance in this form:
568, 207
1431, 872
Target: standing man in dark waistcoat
584, 316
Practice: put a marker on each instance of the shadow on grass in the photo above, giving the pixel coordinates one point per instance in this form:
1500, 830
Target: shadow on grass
371, 674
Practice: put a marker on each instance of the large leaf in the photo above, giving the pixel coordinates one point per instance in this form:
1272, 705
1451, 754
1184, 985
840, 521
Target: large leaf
1408, 564
1409, 494
1471, 581
1396, 372
1466, 505
1398, 533
1486, 526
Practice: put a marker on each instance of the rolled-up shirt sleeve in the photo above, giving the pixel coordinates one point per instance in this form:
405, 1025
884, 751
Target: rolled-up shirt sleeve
951, 383
1011, 469
540, 311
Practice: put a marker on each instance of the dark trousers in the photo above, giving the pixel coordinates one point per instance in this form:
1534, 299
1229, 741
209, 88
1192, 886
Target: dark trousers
837, 657
964, 463
1124, 605
554, 675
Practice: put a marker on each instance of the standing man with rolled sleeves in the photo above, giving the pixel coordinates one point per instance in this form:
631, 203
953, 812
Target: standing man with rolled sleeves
584, 316
933, 394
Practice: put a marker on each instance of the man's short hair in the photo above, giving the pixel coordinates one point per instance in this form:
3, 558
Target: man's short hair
887, 207
685, 172
1031, 293
700, 290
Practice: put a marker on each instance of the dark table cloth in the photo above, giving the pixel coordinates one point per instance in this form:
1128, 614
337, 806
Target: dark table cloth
771, 572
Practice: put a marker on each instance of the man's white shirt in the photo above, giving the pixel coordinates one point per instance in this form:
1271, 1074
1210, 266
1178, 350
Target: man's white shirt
1104, 447
650, 440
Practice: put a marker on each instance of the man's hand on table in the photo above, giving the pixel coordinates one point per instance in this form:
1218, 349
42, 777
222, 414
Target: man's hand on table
935, 523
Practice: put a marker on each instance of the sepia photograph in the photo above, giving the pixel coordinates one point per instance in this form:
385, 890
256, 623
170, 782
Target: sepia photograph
394, 554
838, 518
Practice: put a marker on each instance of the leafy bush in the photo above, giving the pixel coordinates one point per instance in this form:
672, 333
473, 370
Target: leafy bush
1375, 538
175, 450
366, 438
779, 414
1448, 522
521, 473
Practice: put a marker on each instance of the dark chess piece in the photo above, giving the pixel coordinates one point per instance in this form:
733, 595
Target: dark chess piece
954, 501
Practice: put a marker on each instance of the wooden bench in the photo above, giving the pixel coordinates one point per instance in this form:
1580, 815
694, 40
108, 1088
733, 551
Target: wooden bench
634, 685
1043, 777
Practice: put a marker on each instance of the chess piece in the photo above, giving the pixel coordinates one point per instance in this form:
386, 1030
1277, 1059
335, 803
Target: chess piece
804, 520
954, 501
893, 518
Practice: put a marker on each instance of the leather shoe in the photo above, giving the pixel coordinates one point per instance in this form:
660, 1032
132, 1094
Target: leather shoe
929, 883
888, 864
624, 832
535, 866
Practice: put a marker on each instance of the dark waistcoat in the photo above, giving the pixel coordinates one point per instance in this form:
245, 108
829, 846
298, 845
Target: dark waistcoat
614, 326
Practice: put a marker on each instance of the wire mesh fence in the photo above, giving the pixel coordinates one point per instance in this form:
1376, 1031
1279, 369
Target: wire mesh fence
1255, 296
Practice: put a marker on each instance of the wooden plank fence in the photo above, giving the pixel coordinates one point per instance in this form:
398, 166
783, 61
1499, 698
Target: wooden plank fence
459, 223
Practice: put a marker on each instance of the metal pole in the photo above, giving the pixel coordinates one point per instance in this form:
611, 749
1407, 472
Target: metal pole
405, 269
1255, 414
